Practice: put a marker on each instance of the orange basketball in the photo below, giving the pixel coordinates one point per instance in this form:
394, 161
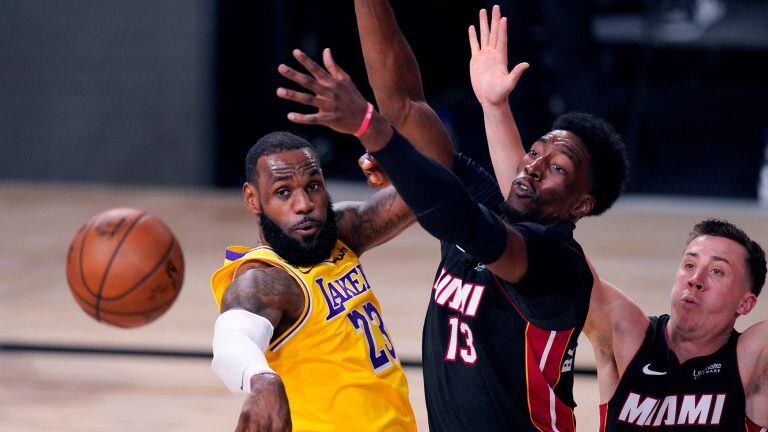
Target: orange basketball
125, 267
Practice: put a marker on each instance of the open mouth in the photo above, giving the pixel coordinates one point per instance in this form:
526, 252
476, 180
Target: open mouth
307, 228
523, 189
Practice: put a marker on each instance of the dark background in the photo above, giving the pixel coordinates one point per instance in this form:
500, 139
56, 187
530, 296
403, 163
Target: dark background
176, 92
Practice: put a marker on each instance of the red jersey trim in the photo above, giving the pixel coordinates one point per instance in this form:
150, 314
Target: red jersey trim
750, 426
544, 351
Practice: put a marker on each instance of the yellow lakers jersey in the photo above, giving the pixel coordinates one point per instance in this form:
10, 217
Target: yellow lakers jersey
338, 362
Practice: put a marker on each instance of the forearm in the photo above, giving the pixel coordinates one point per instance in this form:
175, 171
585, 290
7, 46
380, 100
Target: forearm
394, 76
504, 144
392, 68
240, 339
440, 201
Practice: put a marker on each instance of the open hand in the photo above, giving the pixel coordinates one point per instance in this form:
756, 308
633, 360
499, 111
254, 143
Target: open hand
491, 81
340, 105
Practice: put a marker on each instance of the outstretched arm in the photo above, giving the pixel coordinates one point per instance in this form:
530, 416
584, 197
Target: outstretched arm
440, 201
260, 300
396, 81
362, 225
616, 328
753, 368
492, 84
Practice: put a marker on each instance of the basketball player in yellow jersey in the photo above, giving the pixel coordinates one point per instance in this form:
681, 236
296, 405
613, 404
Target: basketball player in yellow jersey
300, 330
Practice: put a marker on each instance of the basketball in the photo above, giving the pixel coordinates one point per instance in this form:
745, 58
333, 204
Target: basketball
125, 267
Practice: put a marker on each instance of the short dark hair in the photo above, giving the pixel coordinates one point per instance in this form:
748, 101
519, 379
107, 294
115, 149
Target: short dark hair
607, 152
269, 144
755, 254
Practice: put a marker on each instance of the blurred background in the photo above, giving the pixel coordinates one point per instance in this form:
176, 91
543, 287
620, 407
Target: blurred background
91, 89
154, 105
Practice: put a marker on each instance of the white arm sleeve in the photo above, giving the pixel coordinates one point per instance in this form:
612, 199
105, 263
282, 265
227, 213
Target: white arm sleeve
239, 341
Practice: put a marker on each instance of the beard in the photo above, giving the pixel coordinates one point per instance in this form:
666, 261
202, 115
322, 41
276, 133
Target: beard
512, 215
312, 250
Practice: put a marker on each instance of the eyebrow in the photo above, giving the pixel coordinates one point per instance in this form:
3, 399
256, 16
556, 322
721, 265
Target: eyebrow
279, 178
567, 151
570, 154
714, 258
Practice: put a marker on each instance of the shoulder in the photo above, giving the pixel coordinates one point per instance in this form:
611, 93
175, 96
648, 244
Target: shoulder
258, 285
752, 349
615, 322
755, 338
557, 233
551, 246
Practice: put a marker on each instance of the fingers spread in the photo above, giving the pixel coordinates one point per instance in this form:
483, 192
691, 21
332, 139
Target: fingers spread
302, 98
303, 80
516, 73
494, 32
501, 43
483, 28
313, 68
330, 64
317, 118
474, 46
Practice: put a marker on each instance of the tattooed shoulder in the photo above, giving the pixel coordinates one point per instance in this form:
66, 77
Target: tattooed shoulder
259, 288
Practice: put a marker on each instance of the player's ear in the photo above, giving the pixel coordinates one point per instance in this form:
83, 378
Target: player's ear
747, 304
583, 206
251, 198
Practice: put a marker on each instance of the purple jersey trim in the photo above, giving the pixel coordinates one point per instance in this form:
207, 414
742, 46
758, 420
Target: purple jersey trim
233, 256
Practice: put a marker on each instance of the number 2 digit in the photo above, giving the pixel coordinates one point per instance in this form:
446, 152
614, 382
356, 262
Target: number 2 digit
362, 323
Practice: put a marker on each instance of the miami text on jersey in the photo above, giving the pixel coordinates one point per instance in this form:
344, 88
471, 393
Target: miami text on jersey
701, 409
453, 292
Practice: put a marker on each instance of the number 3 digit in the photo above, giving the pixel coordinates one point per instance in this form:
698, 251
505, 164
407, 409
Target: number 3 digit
362, 323
467, 352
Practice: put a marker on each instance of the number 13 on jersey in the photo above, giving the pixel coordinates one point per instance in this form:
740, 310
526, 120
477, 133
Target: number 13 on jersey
460, 342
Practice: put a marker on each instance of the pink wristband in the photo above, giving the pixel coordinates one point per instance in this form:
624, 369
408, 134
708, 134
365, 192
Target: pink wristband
366, 121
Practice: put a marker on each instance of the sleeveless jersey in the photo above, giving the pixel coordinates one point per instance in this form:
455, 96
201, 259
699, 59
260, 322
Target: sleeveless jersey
499, 356
338, 362
656, 392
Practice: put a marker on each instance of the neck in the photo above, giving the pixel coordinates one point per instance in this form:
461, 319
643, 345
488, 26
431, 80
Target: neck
688, 343
260, 237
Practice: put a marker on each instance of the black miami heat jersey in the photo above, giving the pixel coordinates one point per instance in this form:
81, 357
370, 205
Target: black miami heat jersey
499, 356
656, 392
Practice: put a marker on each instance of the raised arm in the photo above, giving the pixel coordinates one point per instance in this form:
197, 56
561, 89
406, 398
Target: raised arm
362, 225
492, 84
753, 368
438, 198
261, 300
396, 80
616, 328
443, 206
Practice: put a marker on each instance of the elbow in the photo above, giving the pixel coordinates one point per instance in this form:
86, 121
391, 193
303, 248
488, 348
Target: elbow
396, 110
225, 367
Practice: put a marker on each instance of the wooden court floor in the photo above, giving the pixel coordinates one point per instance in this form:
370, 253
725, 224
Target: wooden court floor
636, 245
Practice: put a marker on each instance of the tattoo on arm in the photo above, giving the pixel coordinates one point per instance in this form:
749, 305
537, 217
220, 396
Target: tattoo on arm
369, 224
269, 292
